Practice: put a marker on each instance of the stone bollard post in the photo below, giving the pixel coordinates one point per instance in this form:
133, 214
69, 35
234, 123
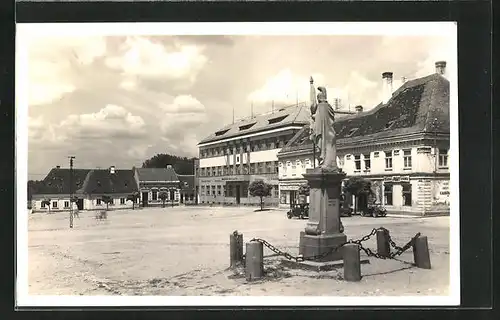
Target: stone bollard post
421, 253
235, 249
383, 247
352, 262
254, 261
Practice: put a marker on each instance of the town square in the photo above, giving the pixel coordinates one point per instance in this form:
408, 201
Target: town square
202, 165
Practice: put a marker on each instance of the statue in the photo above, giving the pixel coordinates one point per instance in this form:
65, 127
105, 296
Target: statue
322, 130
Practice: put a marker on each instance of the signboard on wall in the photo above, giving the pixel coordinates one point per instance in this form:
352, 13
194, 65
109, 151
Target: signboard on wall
397, 179
441, 193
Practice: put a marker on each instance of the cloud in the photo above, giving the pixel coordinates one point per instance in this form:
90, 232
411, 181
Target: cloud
185, 113
51, 61
141, 56
110, 122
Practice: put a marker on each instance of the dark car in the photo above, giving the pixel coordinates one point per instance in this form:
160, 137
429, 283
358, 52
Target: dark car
374, 210
298, 210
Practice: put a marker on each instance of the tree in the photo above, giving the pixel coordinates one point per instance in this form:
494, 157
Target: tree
181, 165
163, 196
304, 191
107, 200
260, 189
357, 186
133, 197
46, 202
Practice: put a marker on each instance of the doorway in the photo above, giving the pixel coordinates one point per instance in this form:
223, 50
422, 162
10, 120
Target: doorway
79, 204
238, 194
182, 198
145, 199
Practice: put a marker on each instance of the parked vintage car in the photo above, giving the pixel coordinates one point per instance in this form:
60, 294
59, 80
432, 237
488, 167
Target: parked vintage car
374, 210
298, 210
345, 212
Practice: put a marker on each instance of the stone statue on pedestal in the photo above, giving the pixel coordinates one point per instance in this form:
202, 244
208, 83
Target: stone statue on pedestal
322, 130
324, 229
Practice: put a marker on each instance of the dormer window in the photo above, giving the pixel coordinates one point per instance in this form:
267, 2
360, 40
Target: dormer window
276, 120
351, 132
221, 132
389, 124
247, 126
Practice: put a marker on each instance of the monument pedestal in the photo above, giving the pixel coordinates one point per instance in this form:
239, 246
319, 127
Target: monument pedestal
323, 230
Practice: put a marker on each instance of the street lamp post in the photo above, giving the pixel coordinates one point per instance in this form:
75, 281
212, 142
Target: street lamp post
71, 191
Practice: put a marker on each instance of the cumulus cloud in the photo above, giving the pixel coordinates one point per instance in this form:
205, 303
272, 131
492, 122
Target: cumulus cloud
286, 88
110, 122
141, 56
50, 63
181, 116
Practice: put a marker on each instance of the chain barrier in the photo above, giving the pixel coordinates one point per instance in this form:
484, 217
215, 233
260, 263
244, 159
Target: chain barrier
368, 251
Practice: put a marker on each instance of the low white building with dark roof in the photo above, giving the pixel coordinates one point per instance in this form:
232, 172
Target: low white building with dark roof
153, 181
401, 145
244, 151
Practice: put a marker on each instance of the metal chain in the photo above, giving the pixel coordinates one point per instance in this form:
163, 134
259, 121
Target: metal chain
368, 251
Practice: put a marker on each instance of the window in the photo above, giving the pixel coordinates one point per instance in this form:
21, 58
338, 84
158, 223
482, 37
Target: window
220, 171
122, 200
54, 204
406, 194
66, 204
98, 202
443, 158
220, 133
388, 194
262, 168
214, 171
388, 160
247, 126
219, 188
367, 160
229, 190
202, 190
351, 132
357, 162
407, 159
303, 164
389, 124
270, 167
276, 120
307, 163
154, 195
42, 205
294, 165
213, 190
237, 159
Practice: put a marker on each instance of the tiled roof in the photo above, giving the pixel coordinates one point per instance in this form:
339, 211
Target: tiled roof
187, 182
412, 108
57, 181
104, 182
296, 114
157, 174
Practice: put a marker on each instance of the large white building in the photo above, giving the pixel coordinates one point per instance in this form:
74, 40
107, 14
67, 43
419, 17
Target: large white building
401, 146
245, 151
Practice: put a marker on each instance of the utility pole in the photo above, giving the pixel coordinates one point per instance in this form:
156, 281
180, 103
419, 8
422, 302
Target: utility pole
71, 191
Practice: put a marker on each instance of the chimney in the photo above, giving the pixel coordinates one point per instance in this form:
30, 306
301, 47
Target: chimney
112, 169
359, 108
387, 86
441, 67
58, 167
403, 80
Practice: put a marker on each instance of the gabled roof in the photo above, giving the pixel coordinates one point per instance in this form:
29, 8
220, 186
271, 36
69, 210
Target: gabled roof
296, 114
102, 181
187, 182
412, 108
57, 181
157, 174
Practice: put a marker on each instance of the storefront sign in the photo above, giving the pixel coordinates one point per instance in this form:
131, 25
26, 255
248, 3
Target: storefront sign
397, 179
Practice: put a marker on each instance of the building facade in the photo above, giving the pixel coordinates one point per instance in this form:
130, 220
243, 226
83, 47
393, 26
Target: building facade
154, 181
238, 154
187, 189
88, 187
401, 146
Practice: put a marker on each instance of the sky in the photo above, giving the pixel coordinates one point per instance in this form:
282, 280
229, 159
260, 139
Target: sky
119, 100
